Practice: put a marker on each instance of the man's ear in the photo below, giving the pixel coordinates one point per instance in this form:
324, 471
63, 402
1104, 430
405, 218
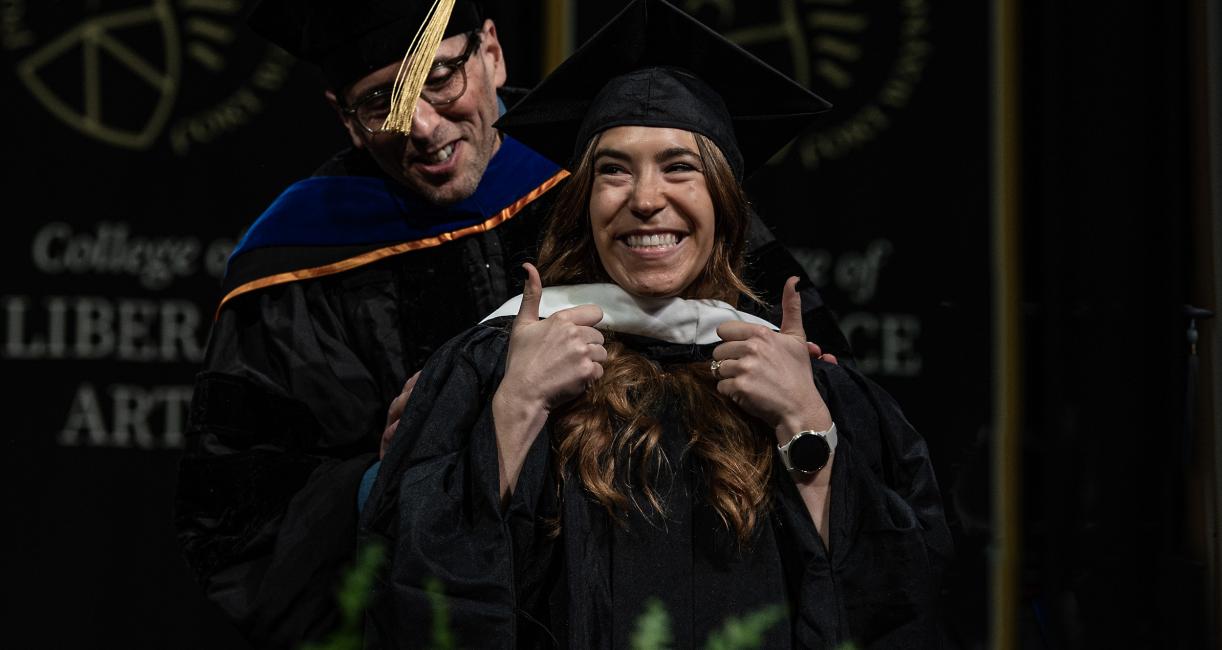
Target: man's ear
493, 55
350, 125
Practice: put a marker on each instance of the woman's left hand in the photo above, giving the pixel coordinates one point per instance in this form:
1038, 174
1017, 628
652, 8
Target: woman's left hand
768, 373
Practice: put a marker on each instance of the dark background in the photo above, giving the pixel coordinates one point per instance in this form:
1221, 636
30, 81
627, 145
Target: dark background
887, 202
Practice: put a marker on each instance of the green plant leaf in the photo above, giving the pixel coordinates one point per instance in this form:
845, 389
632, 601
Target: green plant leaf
745, 632
652, 628
353, 598
443, 636
354, 594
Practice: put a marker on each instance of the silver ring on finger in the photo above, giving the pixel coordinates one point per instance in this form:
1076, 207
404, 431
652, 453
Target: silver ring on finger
716, 368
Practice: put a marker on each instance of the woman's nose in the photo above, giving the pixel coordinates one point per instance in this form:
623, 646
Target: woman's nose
647, 198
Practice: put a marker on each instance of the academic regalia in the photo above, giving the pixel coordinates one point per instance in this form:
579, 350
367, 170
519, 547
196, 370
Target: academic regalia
292, 399
503, 576
330, 304
339, 293
508, 582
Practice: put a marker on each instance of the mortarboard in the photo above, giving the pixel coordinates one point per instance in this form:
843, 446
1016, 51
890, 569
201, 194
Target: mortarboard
654, 65
348, 39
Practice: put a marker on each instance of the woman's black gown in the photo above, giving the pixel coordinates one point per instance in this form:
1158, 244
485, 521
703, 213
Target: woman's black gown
509, 581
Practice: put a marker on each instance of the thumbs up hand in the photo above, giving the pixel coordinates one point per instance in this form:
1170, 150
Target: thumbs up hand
551, 361
769, 374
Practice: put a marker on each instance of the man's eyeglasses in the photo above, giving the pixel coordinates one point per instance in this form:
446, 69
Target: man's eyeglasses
446, 83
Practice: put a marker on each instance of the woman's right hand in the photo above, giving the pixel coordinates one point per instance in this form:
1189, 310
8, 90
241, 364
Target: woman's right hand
549, 363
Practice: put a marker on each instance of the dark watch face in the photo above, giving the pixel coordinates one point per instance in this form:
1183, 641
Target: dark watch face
809, 453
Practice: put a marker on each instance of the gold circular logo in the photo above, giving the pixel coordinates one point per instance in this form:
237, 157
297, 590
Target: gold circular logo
867, 58
131, 74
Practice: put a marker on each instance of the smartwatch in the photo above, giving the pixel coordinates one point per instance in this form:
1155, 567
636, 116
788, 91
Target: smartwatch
808, 451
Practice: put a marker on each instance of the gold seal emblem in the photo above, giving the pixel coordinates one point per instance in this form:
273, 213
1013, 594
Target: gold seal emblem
867, 58
128, 74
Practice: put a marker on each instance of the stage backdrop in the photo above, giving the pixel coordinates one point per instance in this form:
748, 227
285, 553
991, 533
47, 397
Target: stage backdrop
143, 136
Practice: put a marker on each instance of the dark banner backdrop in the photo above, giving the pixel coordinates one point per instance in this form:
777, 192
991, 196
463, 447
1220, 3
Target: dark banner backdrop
143, 136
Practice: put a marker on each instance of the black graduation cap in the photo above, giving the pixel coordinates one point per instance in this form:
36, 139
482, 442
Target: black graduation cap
348, 39
654, 65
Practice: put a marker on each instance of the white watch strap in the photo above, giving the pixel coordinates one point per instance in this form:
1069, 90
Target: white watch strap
829, 435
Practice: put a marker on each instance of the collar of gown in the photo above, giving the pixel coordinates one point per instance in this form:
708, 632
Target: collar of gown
677, 320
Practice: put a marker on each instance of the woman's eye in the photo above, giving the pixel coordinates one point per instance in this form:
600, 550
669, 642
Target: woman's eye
681, 167
610, 169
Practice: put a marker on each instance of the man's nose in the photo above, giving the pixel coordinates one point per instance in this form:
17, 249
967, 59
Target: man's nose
424, 122
647, 197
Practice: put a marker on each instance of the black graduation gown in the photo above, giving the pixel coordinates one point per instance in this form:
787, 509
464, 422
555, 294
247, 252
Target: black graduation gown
290, 406
509, 583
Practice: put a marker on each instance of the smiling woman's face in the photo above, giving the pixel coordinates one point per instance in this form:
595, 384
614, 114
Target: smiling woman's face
650, 211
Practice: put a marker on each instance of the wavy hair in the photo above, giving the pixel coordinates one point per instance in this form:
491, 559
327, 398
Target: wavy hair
607, 438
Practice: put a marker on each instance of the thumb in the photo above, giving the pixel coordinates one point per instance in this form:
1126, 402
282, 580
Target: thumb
532, 291
791, 310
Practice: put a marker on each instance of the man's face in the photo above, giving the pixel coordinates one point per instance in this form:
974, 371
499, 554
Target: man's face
450, 145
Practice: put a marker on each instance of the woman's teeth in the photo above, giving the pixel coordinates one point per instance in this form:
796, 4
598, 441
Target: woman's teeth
441, 155
652, 241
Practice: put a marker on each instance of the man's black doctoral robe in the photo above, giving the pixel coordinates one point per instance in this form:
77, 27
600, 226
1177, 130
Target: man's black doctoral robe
509, 582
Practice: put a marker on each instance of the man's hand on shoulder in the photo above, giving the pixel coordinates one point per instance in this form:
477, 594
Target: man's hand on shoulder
395, 412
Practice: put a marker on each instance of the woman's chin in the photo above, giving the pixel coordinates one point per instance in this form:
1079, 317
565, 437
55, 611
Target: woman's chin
646, 289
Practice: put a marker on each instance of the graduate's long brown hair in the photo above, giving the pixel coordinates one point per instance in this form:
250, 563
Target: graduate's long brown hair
608, 437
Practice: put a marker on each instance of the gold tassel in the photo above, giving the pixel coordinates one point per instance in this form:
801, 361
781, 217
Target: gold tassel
417, 64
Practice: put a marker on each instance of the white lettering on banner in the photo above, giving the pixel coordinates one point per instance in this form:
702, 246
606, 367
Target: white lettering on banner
818, 264
97, 328
884, 344
855, 273
105, 329
131, 417
111, 249
216, 258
